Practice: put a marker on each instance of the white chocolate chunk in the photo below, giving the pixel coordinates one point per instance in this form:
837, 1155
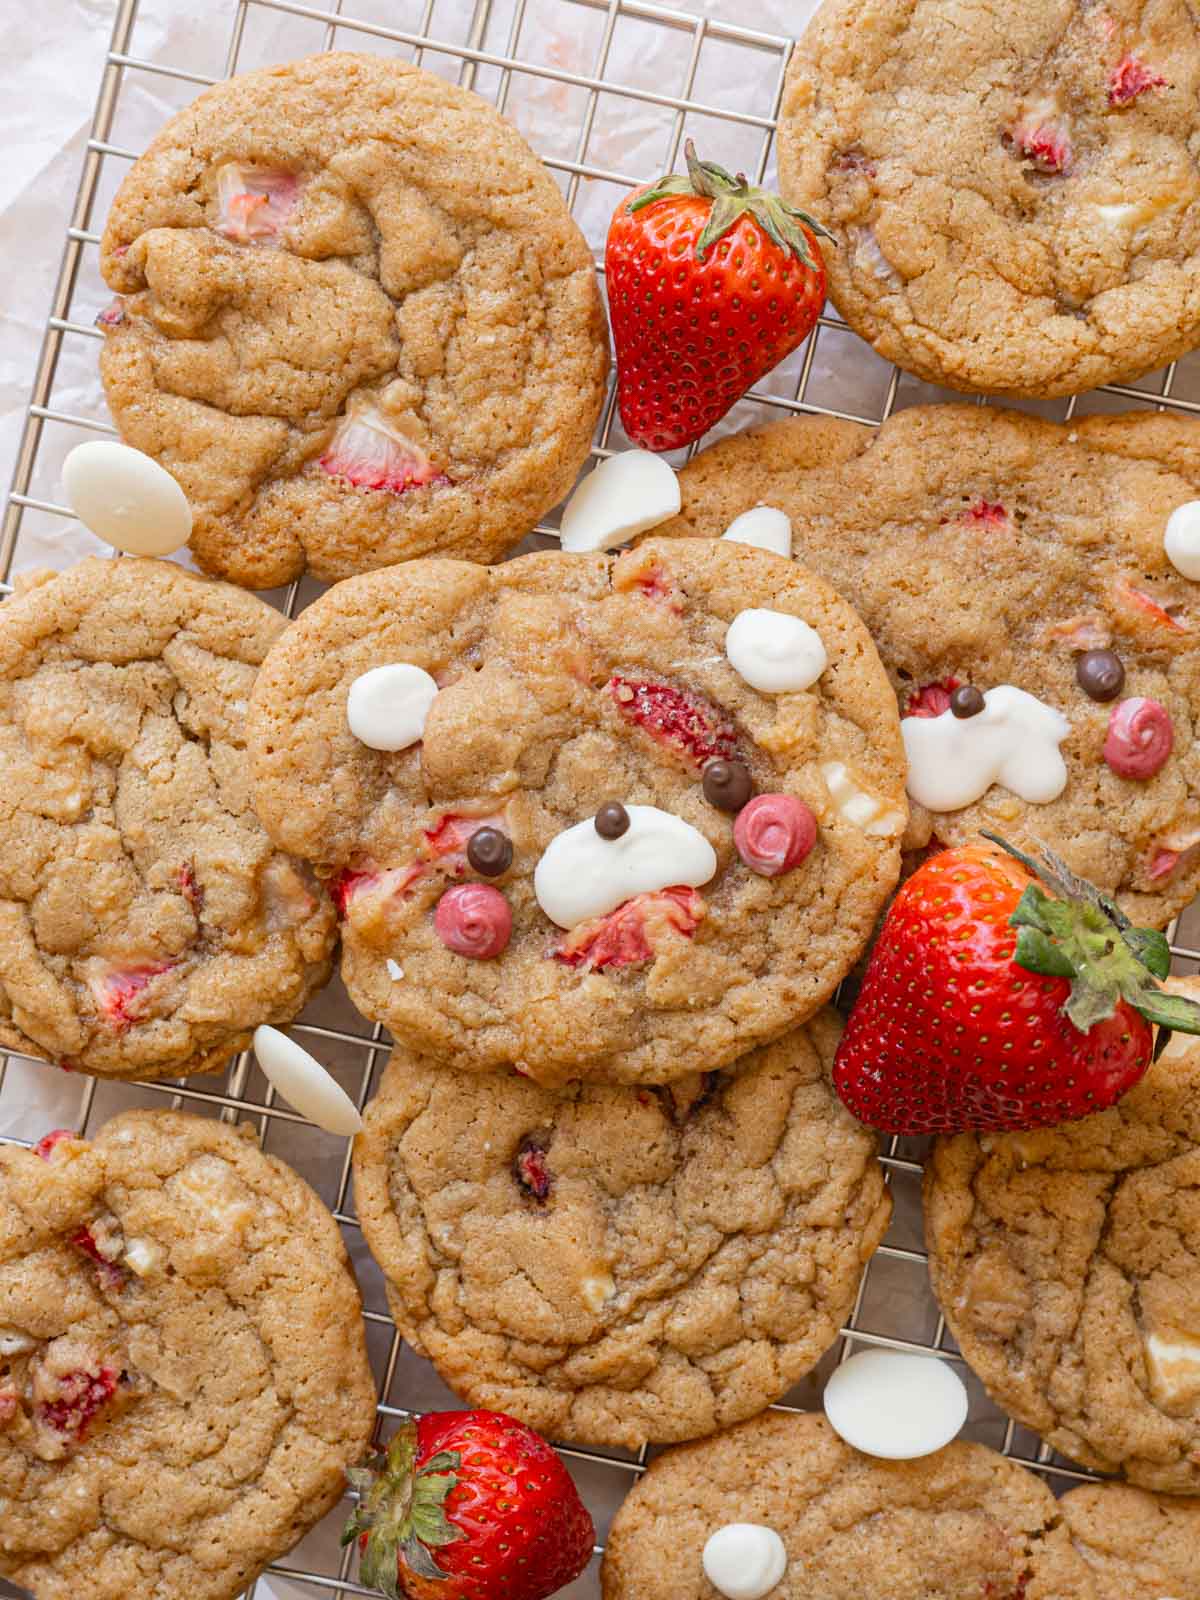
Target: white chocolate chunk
387, 707
775, 652
596, 1289
894, 1405
953, 761
15, 1343
127, 498
1174, 1365
304, 1083
581, 875
744, 1560
626, 495
394, 970
1181, 541
857, 807
211, 1186
763, 527
144, 1256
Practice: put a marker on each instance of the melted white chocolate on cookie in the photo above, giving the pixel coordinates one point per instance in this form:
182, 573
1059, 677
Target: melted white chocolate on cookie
1014, 741
775, 652
582, 875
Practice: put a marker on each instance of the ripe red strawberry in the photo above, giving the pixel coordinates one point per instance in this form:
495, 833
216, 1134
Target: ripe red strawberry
990, 1004
711, 283
469, 1505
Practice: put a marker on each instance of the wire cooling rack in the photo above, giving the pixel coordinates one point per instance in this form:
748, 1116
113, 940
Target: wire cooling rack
504, 50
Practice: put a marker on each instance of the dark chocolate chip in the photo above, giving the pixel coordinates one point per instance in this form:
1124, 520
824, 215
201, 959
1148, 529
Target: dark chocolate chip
612, 820
1100, 674
967, 701
490, 852
727, 785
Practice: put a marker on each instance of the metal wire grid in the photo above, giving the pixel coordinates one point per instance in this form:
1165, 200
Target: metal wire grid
497, 42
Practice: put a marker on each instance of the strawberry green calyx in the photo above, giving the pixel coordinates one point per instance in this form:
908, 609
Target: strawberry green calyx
401, 1512
731, 199
1078, 934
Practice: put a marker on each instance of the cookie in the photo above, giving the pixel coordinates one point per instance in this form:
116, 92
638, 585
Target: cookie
626, 916
354, 320
957, 1525
1066, 1265
1012, 190
990, 549
618, 1266
183, 1372
147, 924
1137, 1546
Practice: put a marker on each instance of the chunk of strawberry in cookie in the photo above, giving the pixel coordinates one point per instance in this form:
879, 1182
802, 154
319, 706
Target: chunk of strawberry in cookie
254, 202
532, 1170
71, 1383
1042, 136
1130, 78
368, 452
1168, 853
9, 1404
987, 513
1084, 632
1137, 600
49, 1142
102, 1241
345, 886
446, 842
629, 936
113, 314
117, 991
685, 722
932, 699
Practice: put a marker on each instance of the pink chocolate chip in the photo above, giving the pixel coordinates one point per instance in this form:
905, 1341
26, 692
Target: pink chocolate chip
1140, 738
473, 920
774, 833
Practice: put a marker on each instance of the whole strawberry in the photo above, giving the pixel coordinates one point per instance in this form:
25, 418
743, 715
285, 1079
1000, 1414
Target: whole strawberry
990, 1004
469, 1505
711, 283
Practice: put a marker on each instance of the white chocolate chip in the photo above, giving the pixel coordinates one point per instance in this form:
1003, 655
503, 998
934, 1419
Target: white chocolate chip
387, 707
211, 1186
1174, 1365
144, 1256
775, 652
394, 970
763, 527
744, 1560
581, 875
894, 1405
953, 761
596, 1289
304, 1083
1181, 541
626, 495
857, 807
127, 498
15, 1343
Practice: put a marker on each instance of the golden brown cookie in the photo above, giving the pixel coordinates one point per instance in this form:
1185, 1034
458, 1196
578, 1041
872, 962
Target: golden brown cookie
963, 1524
183, 1372
1012, 189
147, 924
988, 548
561, 684
1067, 1265
618, 1266
1137, 1546
355, 321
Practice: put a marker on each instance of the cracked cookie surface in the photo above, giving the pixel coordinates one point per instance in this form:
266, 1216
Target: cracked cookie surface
618, 1266
964, 1524
567, 682
1137, 1546
356, 321
147, 924
1070, 255
986, 547
183, 1371
1066, 1264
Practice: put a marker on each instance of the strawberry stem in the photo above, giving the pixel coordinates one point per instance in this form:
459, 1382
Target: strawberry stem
732, 198
401, 1512
1077, 934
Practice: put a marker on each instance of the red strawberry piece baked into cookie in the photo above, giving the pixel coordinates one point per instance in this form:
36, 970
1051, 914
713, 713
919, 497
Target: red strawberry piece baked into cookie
1044, 578
622, 1265
1012, 189
354, 320
566, 831
1066, 1262
833, 1524
147, 923
183, 1372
